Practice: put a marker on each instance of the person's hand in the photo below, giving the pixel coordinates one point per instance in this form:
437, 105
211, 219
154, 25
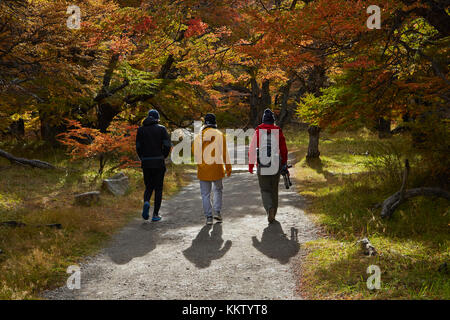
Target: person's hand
285, 169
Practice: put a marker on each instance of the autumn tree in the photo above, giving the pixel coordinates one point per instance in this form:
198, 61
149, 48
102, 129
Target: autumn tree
44, 69
86, 143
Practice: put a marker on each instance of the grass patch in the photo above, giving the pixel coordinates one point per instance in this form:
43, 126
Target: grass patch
35, 259
357, 171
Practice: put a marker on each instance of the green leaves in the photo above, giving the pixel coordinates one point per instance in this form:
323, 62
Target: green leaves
140, 82
336, 106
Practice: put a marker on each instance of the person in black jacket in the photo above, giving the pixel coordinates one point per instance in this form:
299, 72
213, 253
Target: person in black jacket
153, 146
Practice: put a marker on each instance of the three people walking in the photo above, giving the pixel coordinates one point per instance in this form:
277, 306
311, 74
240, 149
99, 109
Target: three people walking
267, 151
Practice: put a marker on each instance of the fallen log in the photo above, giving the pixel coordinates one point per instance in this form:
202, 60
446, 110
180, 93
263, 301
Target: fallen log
18, 224
23, 161
393, 202
12, 224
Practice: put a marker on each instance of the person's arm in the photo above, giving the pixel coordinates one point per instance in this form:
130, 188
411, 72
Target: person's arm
226, 157
283, 149
166, 143
256, 243
139, 145
252, 152
225, 249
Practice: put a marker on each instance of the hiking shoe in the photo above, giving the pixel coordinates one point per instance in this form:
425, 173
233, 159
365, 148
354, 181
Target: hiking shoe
272, 213
156, 218
218, 217
145, 210
209, 220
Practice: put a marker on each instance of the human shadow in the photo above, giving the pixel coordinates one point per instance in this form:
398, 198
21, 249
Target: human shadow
275, 244
207, 246
135, 240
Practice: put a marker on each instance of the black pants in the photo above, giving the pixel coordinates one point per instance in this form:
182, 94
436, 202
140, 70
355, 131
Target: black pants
154, 180
269, 190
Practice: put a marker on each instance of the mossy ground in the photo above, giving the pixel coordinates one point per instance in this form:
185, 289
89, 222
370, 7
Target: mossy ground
357, 171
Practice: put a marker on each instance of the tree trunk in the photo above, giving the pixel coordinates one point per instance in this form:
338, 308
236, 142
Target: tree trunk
259, 100
17, 128
105, 115
384, 128
102, 162
49, 130
254, 100
266, 99
285, 114
313, 147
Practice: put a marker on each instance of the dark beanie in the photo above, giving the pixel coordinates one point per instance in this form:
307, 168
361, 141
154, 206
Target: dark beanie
268, 116
210, 119
153, 114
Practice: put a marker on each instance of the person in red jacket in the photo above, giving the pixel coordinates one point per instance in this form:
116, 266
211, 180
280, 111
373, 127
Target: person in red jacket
269, 152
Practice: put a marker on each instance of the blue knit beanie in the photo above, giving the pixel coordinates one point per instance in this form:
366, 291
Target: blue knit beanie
210, 120
153, 114
268, 116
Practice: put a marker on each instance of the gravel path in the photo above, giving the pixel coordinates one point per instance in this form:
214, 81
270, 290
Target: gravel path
181, 258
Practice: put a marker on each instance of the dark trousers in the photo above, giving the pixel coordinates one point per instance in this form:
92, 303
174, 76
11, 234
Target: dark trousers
154, 181
269, 190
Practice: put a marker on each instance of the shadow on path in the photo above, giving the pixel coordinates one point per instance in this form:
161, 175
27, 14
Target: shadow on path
207, 246
180, 258
275, 244
241, 198
145, 238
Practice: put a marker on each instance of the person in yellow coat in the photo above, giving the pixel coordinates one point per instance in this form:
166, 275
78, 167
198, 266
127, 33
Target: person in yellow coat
213, 162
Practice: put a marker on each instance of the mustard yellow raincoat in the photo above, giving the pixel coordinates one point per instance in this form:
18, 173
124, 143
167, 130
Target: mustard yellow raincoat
211, 155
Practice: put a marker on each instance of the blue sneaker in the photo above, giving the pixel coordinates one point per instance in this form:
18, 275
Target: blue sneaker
156, 218
145, 210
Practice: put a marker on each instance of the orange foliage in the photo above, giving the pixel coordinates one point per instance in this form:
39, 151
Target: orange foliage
196, 27
83, 142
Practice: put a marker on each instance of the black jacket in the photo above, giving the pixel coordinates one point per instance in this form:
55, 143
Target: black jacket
152, 144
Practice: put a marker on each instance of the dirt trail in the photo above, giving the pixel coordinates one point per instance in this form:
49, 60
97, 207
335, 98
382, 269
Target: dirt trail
181, 258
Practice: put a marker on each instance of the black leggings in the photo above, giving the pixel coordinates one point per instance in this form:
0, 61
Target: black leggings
154, 180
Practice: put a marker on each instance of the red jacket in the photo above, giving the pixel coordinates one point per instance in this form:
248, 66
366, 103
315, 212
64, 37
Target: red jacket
252, 157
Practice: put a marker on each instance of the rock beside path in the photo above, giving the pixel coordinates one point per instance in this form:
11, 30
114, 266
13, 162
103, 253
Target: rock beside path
117, 185
87, 198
